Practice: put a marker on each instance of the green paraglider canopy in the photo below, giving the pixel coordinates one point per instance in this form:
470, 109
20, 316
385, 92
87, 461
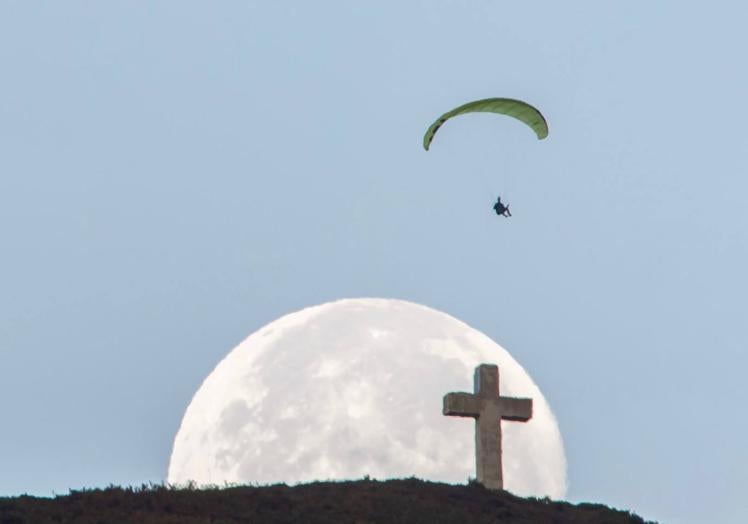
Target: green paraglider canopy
522, 111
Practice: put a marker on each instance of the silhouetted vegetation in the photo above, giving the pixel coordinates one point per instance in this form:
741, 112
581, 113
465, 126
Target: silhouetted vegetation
362, 502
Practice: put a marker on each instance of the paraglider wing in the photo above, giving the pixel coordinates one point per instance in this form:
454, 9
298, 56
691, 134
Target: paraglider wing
522, 111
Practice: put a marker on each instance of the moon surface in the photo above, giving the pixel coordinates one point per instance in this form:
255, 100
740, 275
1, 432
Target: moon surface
353, 388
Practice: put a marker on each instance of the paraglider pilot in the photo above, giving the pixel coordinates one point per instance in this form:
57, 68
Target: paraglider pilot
501, 209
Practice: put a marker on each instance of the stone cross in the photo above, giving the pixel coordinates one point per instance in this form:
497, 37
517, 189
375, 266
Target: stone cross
488, 409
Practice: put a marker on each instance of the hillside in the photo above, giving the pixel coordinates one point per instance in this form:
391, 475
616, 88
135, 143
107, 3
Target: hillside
362, 502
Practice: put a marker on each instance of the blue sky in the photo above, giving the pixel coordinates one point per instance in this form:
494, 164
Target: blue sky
174, 175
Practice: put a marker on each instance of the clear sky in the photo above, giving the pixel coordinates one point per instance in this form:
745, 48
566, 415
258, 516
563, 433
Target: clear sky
174, 175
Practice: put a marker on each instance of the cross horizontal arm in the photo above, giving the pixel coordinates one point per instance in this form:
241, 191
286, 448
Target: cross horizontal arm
517, 409
461, 405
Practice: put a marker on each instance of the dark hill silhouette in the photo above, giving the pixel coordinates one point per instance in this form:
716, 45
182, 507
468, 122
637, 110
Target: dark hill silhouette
361, 502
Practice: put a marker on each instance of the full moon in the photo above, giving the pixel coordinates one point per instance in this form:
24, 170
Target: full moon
353, 388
